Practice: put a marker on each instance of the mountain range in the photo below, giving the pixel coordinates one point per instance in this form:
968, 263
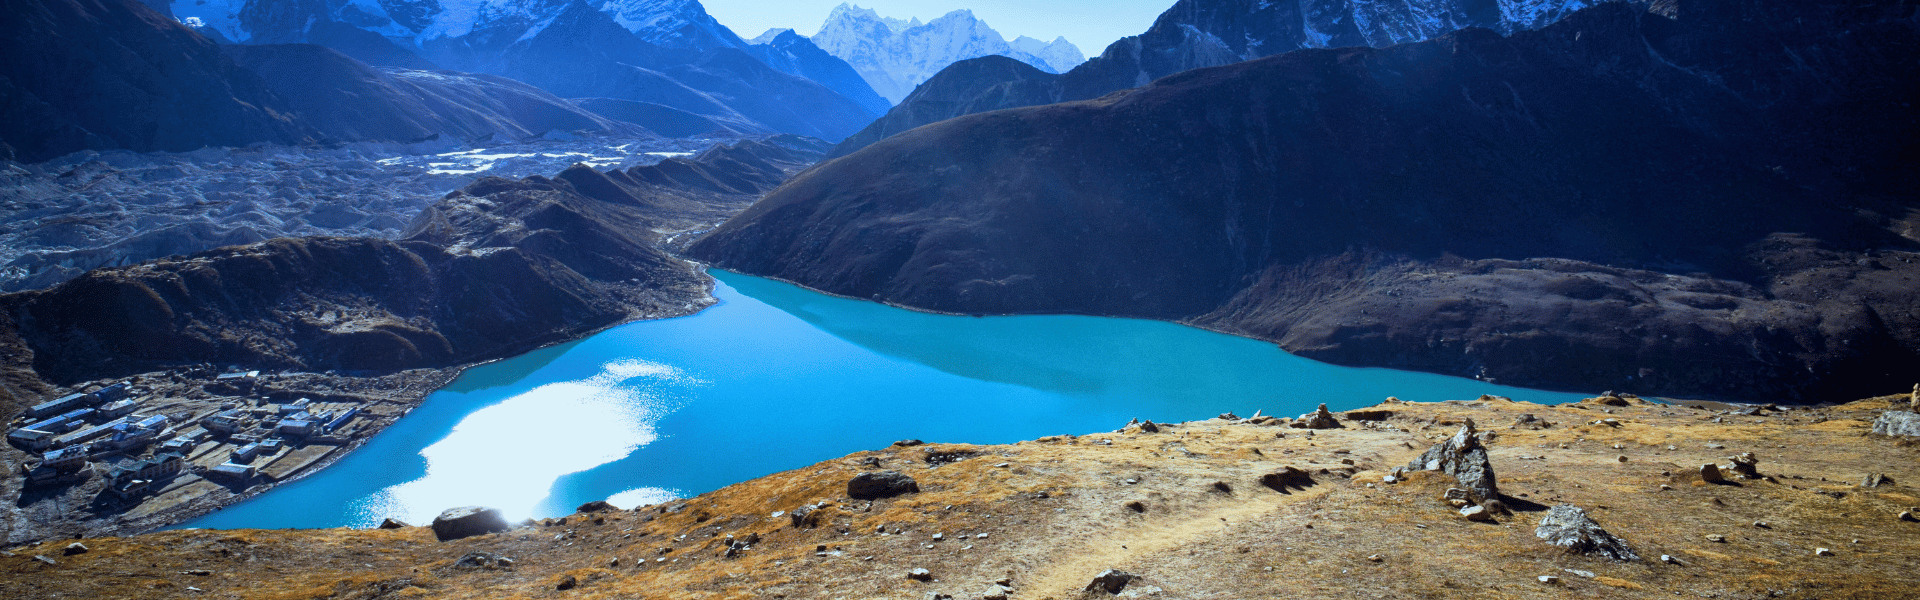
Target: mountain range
894, 56
1708, 200
1194, 34
669, 53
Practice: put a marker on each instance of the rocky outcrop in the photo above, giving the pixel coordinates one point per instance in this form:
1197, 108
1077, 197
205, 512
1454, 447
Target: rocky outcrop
1568, 526
468, 521
874, 485
1897, 423
1463, 457
1320, 418
1476, 205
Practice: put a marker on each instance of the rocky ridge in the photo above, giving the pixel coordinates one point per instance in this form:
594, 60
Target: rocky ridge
895, 56
1178, 513
1195, 34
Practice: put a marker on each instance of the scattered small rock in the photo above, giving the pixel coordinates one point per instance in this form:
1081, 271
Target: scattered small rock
1669, 559
1476, 513
1375, 558
1568, 526
1822, 552
1135, 506
874, 485
1223, 487
1228, 416
567, 583
468, 521
1716, 538
920, 575
74, 548
807, 516
197, 572
996, 592
1746, 465
1907, 515
1549, 579
1112, 581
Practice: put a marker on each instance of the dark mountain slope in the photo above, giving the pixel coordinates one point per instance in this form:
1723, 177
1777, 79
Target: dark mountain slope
970, 86
1710, 204
661, 119
100, 74
790, 53
348, 100
497, 268
1194, 34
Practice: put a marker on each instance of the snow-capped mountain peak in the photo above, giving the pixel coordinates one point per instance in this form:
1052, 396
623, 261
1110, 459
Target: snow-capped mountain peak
894, 55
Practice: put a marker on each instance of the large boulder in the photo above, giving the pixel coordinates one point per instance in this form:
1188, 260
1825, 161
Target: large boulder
1568, 526
874, 485
1898, 422
468, 521
1465, 459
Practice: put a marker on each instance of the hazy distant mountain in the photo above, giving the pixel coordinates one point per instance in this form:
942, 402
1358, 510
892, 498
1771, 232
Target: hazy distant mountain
117, 74
1060, 55
1676, 202
1208, 33
620, 49
894, 56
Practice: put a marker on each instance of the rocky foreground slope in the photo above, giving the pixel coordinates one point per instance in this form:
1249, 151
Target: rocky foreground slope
1223, 508
1710, 204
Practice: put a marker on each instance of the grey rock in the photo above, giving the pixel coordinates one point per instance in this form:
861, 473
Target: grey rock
1465, 459
75, 548
907, 443
874, 485
807, 516
1111, 581
596, 506
1149, 427
468, 521
1898, 423
1876, 480
920, 575
477, 560
1746, 465
1476, 513
392, 523
1318, 419
1568, 526
46, 560
996, 592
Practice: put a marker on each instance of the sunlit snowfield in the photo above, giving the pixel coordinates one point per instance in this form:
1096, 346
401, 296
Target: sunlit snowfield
777, 377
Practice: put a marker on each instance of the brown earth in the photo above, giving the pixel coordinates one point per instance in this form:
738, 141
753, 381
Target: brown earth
1050, 514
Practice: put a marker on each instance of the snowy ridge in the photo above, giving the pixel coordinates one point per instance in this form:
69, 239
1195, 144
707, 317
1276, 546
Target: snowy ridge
667, 23
894, 56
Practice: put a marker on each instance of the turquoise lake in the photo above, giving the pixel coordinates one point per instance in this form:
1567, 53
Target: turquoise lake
777, 377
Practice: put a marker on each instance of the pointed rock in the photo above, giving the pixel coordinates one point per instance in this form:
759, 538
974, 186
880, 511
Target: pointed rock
1465, 459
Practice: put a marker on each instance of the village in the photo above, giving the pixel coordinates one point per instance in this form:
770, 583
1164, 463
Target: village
146, 449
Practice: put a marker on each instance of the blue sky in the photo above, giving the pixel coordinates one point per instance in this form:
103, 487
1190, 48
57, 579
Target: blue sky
1089, 24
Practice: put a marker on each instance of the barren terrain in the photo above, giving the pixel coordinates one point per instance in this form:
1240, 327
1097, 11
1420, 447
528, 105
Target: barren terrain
1183, 508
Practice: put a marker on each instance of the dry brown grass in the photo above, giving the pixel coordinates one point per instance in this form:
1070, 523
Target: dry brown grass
1191, 540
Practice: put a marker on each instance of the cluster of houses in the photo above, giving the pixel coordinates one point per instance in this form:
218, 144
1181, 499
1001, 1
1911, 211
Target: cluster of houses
78, 430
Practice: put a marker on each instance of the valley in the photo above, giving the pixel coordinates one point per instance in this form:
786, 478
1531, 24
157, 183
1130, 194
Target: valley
1578, 298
